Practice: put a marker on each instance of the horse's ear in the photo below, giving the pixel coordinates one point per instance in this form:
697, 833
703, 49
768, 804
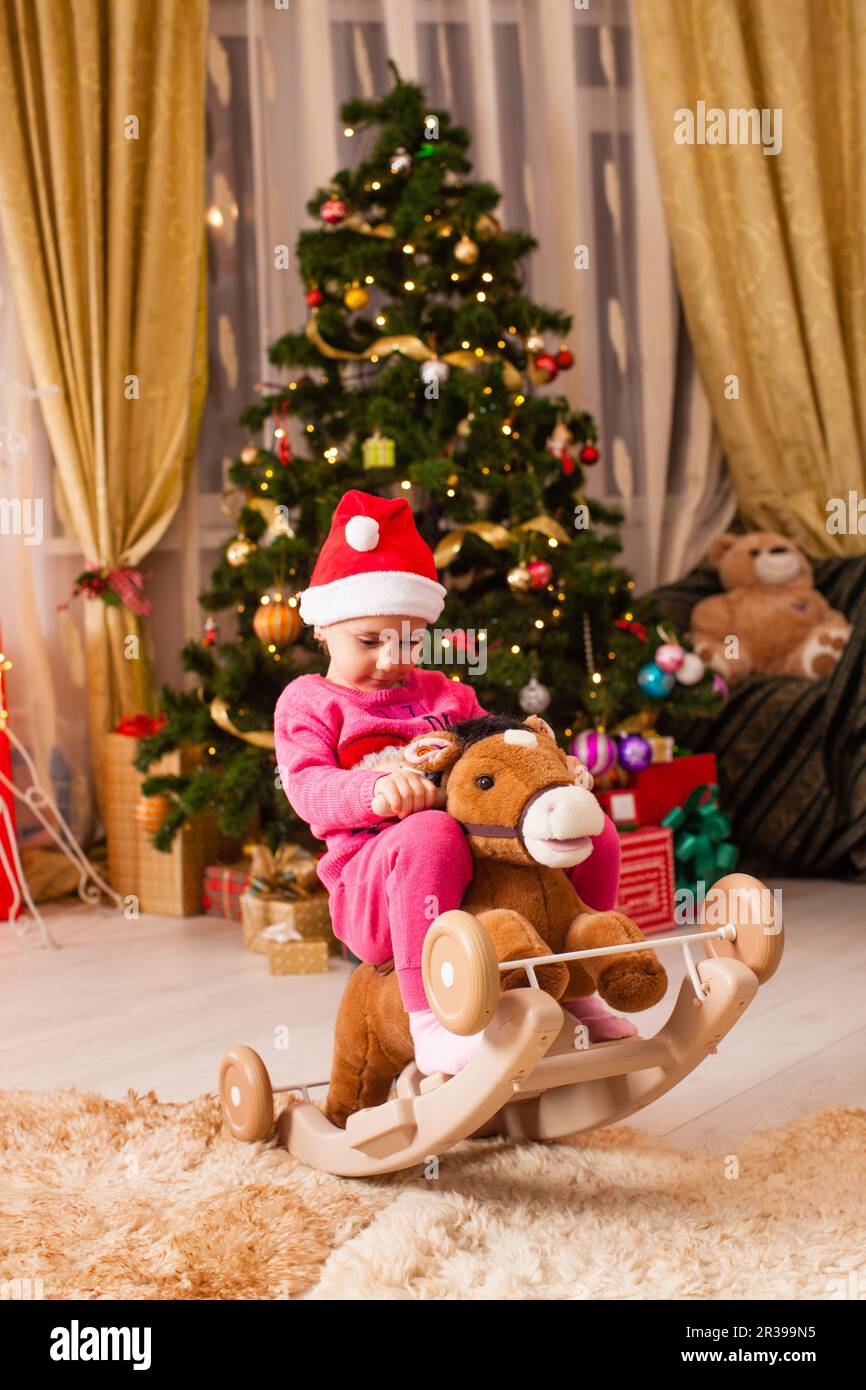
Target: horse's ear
540, 726
433, 752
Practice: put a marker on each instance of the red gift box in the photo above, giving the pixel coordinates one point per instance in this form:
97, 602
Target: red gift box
646, 878
223, 885
662, 786
623, 807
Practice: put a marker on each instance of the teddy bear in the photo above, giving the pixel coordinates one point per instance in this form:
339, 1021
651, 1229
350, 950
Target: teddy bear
771, 620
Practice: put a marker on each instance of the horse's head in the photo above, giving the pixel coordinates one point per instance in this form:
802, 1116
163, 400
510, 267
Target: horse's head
514, 792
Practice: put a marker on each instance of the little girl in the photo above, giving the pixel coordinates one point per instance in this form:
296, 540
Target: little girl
373, 591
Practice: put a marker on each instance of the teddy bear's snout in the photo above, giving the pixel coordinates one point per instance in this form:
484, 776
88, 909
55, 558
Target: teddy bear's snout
777, 566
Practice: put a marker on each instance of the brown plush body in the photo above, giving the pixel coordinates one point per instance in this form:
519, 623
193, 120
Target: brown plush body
509, 785
780, 624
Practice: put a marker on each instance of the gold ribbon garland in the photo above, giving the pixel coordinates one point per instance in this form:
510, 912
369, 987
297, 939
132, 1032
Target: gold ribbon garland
219, 713
411, 346
496, 536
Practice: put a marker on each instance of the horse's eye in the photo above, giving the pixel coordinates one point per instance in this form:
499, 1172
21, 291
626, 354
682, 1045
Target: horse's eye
485, 782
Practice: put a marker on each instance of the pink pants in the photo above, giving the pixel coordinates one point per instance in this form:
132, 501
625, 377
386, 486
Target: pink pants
397, 884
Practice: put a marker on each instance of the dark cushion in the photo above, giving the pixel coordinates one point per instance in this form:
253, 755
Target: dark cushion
791, 753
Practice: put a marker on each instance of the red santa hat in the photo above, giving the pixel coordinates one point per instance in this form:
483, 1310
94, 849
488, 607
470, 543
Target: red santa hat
373, 562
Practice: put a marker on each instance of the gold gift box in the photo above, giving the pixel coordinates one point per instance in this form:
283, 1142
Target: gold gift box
308, 916
171, 883
297, 957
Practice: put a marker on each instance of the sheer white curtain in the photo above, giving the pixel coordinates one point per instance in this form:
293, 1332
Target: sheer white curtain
45, 686
553, 97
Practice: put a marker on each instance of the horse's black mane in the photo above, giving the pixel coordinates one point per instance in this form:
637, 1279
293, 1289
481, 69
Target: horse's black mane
471, 730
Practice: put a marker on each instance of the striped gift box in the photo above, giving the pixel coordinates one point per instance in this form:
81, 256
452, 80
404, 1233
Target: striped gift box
646, 878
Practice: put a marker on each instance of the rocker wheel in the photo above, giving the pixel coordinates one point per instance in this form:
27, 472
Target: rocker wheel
749, 905
460, 973
246, 1095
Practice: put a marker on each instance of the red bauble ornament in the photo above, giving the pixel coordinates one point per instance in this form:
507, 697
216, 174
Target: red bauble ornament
281, 433
567, 462
314, 297
539, 573
589, 454
333, 211
564, 359
546, 362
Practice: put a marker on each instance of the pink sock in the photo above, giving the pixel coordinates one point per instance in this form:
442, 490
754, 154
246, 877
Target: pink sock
438, 1050
601, 1025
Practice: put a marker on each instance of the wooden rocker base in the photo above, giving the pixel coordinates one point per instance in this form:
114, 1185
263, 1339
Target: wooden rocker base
528, 1080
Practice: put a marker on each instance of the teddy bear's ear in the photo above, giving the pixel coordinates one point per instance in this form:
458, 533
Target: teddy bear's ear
720, 547
540, 726
433, 752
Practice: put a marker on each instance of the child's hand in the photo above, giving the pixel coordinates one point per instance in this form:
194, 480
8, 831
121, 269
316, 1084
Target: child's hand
401, 793
582, 775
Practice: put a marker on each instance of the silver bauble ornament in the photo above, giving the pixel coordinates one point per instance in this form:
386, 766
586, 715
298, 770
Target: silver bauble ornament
401, 161
534, 698
435, 370
519, 578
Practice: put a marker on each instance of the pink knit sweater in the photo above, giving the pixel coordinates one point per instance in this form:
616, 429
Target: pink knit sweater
328, 735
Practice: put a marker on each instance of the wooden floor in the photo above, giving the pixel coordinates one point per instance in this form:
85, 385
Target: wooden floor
153, 1005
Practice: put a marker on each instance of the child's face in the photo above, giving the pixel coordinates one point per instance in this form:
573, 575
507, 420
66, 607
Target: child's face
371, 653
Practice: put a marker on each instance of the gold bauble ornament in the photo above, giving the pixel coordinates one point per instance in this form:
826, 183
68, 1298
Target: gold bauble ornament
466, 250
356, 297
250, 454
150, 812
239, 551
535, 342
277, 623
519, 578
464, 427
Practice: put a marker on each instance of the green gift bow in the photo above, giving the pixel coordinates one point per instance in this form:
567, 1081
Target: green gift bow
702, 850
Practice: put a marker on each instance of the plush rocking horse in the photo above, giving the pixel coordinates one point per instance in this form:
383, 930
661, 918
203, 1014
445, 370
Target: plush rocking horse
526, 820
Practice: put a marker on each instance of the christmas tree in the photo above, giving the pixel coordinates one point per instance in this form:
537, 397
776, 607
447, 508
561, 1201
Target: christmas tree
419, 371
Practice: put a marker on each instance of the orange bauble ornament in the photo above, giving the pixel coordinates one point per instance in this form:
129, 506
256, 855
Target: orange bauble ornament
150, 812
277, 623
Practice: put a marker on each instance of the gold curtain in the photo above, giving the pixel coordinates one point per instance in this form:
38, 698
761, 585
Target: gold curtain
102, 215
769, 249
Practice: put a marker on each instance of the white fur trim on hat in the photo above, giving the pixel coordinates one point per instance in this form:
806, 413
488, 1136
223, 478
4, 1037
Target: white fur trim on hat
362, 532
381, 594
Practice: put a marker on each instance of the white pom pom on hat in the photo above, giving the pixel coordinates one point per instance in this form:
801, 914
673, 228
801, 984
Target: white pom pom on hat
362, 532
374, 562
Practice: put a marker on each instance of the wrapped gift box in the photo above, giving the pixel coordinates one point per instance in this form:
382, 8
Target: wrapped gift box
623, 807
166, 883
661, 786
297, 957
646, 878
308, 916
223, 886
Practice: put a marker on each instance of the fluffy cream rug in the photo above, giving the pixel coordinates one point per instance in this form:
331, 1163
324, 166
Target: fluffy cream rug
138, 1199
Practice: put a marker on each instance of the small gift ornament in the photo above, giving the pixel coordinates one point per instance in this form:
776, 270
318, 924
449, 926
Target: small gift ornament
378, 451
